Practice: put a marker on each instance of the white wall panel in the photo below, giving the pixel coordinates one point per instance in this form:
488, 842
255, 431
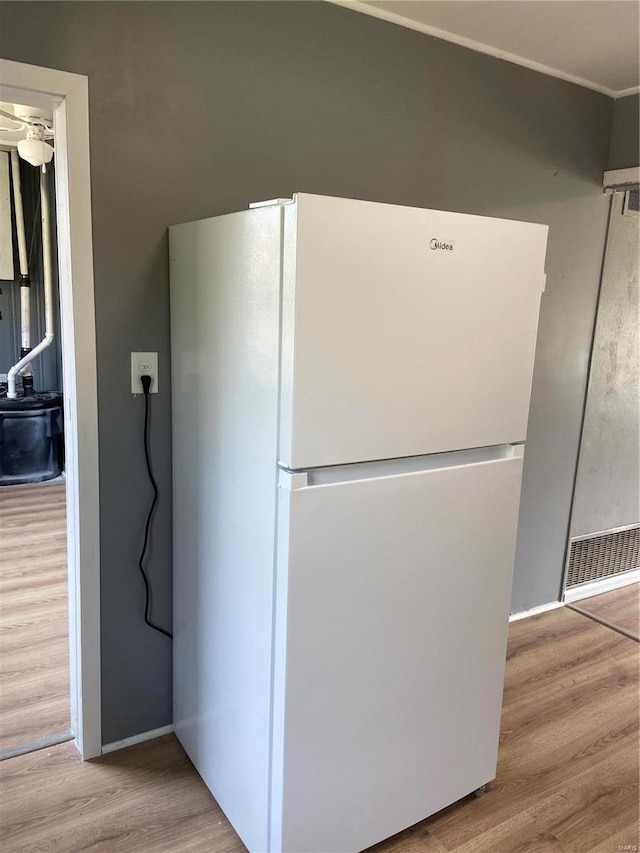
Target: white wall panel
6, 241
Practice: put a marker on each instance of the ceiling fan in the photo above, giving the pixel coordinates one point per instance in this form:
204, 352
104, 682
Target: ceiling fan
39, 128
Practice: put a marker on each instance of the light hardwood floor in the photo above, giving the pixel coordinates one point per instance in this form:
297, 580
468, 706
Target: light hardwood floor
620, 607
34, 633
567, 775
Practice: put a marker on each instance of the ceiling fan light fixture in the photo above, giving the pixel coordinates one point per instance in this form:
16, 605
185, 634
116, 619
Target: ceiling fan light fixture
34, 149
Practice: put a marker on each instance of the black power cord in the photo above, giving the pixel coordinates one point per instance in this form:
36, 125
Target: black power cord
146, 385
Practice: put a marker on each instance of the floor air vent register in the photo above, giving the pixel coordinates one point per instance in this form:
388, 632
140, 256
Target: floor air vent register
604, 555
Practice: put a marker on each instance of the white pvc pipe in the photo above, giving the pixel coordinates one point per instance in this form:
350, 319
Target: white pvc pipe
25, 316
17, 200
25, 289
48, 290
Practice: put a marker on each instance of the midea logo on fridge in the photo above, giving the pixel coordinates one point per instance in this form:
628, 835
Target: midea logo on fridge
442, 245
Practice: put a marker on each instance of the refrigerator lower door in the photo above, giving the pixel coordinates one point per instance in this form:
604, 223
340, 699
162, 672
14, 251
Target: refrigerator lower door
392, 602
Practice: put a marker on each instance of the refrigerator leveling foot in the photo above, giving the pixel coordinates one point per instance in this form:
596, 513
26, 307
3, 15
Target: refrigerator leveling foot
479, 792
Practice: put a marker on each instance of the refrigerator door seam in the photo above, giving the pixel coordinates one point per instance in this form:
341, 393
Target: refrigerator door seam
277, 522
292, 480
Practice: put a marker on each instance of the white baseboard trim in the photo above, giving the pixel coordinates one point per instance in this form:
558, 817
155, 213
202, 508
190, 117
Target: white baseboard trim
586, 590
541, 608
132, 741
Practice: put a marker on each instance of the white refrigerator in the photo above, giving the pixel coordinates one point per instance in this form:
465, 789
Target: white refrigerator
351, 387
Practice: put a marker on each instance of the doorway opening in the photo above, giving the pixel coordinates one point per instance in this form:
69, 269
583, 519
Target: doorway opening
61, 508
602, 575
34, 635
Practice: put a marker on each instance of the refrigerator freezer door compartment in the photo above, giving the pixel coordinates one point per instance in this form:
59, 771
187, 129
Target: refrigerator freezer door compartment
391, 348
391, 620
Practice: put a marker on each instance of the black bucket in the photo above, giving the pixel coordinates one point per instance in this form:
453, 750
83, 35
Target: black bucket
31, 439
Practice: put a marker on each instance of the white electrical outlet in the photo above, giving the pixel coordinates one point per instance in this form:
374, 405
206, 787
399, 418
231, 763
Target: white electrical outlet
144, 364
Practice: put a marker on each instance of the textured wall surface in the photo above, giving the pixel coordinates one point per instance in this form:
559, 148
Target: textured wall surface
607, 487
200, 108
624, 152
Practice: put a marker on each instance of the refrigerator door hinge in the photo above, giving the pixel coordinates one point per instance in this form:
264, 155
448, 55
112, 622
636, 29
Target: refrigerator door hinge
515, 450
291, 481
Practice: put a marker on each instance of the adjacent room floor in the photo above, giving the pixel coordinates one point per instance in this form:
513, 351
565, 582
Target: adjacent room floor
567, 776
34, 631
619, 607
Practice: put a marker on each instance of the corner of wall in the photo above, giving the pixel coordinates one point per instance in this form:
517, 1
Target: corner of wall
624, 145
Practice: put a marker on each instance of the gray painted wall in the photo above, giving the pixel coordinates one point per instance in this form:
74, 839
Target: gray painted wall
197, 109
624, 152
607, 487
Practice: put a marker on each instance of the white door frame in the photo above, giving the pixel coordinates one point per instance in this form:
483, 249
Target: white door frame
67, 95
